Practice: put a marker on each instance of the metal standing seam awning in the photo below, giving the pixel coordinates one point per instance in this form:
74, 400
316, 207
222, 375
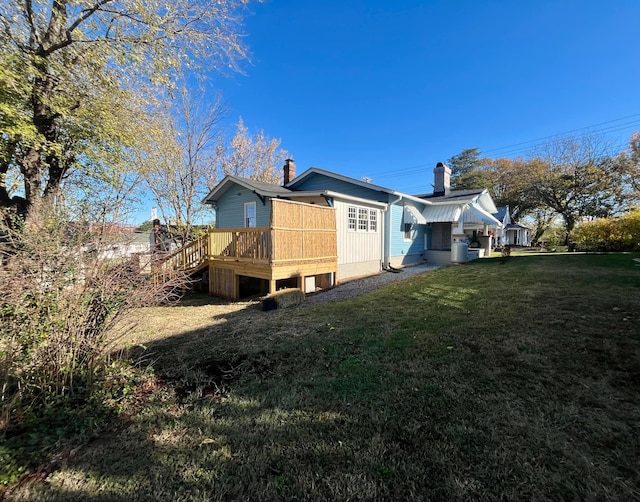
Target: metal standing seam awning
442, 213
451, 213
412, 215
475, 214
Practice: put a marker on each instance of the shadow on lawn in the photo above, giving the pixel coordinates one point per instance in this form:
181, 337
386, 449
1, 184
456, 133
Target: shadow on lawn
282, 406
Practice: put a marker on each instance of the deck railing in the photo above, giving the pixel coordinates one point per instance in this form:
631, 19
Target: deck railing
186, 259
300, 233
241, 244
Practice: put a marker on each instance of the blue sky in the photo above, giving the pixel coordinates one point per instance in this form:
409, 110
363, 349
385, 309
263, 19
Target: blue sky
386, 89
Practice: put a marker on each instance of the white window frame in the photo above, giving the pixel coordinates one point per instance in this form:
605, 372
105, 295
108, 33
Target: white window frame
352, 218
407, 232
362, 219
373, 220
247, 218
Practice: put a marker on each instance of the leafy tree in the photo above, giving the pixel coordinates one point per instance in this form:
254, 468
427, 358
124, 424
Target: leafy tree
510, 185
256, 157
467, 170
579, 177
77, 75
191, 155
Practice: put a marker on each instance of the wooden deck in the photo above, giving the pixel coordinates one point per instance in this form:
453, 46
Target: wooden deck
300, 243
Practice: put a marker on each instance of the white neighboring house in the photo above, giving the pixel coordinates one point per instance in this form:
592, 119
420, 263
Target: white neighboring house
511, 234
460, 223
126, 245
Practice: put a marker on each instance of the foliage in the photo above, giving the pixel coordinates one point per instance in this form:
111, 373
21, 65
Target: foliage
579, 177
510, 185
610, 234
78, 79
257, 157
544, 229
552, 235
61, 288
576, 178
466, 170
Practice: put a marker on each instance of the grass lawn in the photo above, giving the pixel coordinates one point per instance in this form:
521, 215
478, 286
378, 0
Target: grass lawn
514, 379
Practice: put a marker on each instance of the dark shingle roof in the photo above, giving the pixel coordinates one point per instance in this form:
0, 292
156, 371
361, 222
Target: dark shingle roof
260, 187
453, 196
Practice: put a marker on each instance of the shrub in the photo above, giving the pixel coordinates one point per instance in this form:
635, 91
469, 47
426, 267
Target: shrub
619, 234
59, 294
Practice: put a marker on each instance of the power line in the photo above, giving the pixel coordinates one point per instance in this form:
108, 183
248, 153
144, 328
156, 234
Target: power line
524, 147
586, 128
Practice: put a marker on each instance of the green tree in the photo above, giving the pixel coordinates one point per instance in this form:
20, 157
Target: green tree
581, 177
510, 185
76, 75
467, 170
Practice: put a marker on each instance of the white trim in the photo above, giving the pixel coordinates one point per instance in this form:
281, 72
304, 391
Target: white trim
353, 181
361, 217
411, 214
475, 214
255, 215
338, 196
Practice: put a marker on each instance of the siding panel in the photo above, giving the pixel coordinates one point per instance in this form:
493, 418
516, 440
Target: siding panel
230, 210
357, 247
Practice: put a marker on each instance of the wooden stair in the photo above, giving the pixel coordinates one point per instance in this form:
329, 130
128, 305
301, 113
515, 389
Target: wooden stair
188, 260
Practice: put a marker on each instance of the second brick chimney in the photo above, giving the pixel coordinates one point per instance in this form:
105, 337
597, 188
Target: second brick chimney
289, 171
441, 179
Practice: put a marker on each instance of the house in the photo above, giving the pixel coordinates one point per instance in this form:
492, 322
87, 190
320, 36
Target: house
321, 228
510, 233
460, 223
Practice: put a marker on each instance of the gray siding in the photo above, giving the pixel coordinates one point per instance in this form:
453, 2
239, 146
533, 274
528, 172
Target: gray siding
230, 210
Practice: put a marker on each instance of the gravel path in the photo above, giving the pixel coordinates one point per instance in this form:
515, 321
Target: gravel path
358, 287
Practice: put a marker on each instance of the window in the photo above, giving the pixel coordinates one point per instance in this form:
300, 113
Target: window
351, 218
408, 235
373, 220
363, 219
250, 214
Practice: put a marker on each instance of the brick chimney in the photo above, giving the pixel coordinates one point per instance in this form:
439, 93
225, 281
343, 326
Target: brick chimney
289, 171
441, 179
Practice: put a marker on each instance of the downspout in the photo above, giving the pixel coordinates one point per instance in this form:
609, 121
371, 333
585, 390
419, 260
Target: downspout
386, 238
